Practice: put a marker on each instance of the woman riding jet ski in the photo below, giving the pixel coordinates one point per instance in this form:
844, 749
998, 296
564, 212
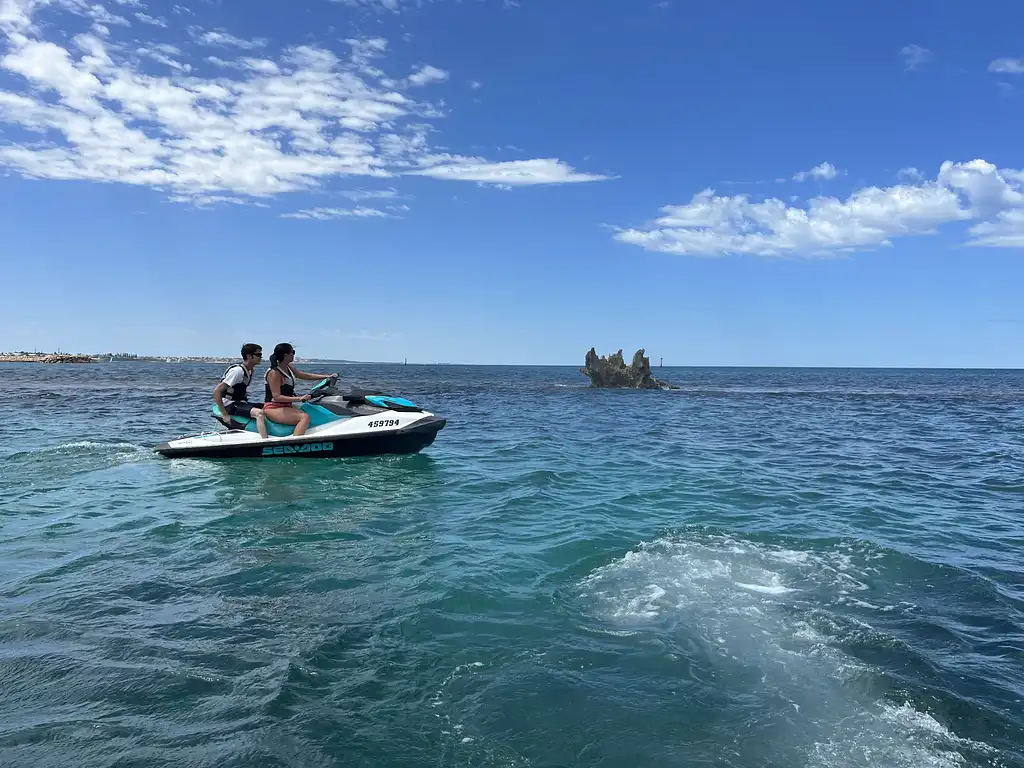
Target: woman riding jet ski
280, 390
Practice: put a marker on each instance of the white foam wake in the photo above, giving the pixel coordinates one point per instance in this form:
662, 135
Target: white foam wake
749, 604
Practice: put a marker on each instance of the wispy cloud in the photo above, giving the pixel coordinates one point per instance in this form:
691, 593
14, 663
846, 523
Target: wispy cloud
356, 195
910, 174
1007, 66
165, 54
914, 57
1006, 230
511, 173
713, 225
392, 6
145, 18
203, 201
397, 6
324, 214
224, 39
823, 171
258, 127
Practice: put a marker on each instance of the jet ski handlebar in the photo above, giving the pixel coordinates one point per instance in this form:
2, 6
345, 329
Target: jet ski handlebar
324, 387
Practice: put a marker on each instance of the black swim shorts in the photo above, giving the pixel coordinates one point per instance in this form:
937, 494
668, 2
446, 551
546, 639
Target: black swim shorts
241, 407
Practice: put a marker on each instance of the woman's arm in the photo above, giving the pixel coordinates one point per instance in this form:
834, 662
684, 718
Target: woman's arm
312, 376
274, 379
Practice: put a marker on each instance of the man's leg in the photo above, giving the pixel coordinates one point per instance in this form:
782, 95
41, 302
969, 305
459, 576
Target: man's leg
229, 422
241, 409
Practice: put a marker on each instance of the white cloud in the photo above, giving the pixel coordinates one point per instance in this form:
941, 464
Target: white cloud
202, 201
513, 172
247, 64
101, 15
323, 214
263, 66
427, 74
475, 85
823, 171
988, 189
370, 194
16, 14
711, 225
1007, 66
910, 174
1005, 231
914, 56
224, 39
396, 6
258, 127
380, 5
163, 54
145, 18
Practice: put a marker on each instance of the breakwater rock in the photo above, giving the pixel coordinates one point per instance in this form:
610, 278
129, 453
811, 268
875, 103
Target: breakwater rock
612, 371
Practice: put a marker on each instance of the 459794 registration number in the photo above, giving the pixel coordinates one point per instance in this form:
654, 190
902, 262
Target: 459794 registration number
384, 423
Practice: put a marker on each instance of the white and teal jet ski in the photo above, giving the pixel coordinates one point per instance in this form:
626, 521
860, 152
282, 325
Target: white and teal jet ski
358, 423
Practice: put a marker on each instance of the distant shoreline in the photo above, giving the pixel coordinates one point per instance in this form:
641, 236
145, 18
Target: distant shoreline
10, 357
50, 357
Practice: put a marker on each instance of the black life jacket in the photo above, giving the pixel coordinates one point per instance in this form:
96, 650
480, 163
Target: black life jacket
287, 386
239, 392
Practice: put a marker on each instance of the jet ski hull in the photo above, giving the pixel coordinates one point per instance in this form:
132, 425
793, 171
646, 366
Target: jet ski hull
405, 434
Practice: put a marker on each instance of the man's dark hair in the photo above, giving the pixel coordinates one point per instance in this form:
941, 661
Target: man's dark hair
250, 349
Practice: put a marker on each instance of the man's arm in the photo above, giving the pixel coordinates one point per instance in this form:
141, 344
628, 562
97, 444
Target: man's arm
218, 395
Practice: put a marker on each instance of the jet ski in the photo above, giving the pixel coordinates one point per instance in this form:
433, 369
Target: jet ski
357, 423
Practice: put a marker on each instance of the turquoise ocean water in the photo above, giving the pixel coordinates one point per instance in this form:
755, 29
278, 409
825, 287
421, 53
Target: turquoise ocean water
765, 568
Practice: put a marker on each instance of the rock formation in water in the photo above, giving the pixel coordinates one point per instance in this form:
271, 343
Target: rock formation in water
612, 371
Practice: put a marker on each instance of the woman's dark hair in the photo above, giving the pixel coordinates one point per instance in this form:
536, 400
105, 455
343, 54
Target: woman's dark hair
280, 351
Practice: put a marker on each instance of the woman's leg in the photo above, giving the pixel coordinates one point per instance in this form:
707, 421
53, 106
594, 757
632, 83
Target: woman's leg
303, 424
289, 416
261, 421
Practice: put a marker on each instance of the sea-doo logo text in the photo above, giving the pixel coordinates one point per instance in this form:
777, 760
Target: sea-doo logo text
283, 450
384, 423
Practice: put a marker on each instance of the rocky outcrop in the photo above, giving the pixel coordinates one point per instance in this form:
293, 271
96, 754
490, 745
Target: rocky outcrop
612, 372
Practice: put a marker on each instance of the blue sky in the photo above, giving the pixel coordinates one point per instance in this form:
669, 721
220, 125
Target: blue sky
727, 183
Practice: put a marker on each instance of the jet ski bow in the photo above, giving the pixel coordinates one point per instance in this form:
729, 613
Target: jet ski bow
359, 423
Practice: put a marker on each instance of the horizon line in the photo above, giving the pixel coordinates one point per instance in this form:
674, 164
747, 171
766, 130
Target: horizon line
210, 359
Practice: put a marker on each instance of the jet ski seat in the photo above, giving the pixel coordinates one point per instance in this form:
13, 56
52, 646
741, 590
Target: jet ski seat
318, 415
